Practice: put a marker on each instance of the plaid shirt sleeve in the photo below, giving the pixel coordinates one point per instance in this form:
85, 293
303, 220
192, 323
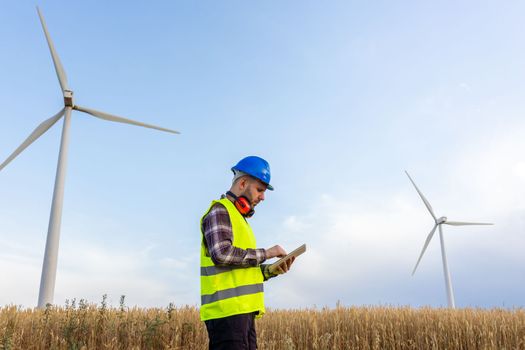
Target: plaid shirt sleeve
218, 238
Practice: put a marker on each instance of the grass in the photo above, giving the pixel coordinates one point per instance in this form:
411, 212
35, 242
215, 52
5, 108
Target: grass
89, 326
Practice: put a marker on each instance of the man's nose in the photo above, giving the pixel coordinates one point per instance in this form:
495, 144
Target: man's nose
261, 196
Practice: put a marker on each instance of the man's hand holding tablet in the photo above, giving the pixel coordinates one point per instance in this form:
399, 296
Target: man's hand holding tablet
283, 265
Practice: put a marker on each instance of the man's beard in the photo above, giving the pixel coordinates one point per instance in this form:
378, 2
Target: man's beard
246, 194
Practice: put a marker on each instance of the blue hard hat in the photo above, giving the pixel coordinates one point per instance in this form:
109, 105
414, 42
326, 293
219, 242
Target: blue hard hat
256, 167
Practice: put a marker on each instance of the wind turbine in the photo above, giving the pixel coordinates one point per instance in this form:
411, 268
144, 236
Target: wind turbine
437, 224
49, 267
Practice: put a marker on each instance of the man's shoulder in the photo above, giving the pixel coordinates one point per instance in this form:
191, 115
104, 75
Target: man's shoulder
218, 215
217, 208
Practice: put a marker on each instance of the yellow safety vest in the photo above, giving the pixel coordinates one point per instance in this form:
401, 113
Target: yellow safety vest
231, 290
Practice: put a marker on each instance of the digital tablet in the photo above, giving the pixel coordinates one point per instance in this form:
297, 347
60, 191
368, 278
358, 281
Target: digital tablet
281, 261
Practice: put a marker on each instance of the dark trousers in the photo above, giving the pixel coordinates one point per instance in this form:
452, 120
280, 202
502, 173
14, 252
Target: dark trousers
235, 332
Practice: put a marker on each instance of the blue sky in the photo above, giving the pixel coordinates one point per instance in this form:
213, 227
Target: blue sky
339, 96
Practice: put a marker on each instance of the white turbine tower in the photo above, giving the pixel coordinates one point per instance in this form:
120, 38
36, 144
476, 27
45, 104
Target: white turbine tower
437, 224
49, 267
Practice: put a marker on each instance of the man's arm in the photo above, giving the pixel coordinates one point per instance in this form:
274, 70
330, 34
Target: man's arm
218, 237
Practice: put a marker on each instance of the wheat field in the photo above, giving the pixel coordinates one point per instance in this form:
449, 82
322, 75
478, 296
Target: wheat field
88, 326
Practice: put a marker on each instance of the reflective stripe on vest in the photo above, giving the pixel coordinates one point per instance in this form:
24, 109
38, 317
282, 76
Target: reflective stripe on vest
231, 290
214, 270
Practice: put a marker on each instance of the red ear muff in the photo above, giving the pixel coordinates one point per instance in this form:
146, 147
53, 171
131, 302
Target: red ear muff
242, 204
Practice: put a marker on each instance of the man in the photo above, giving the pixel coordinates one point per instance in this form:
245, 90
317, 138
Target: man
232, 272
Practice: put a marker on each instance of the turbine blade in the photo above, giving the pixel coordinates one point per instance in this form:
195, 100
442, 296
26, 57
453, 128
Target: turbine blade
429, 238
427, 204
61, 74
460, 223
114, 118
41, 129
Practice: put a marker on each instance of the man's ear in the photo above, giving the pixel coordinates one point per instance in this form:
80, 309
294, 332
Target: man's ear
243, 182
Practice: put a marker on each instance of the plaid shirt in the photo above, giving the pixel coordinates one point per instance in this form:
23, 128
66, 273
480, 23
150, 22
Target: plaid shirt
218, 238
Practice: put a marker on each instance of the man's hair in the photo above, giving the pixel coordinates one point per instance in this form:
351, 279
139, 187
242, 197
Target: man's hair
251, 180
237, 175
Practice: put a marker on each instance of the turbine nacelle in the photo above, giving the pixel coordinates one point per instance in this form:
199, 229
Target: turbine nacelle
441, 220
68, 98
